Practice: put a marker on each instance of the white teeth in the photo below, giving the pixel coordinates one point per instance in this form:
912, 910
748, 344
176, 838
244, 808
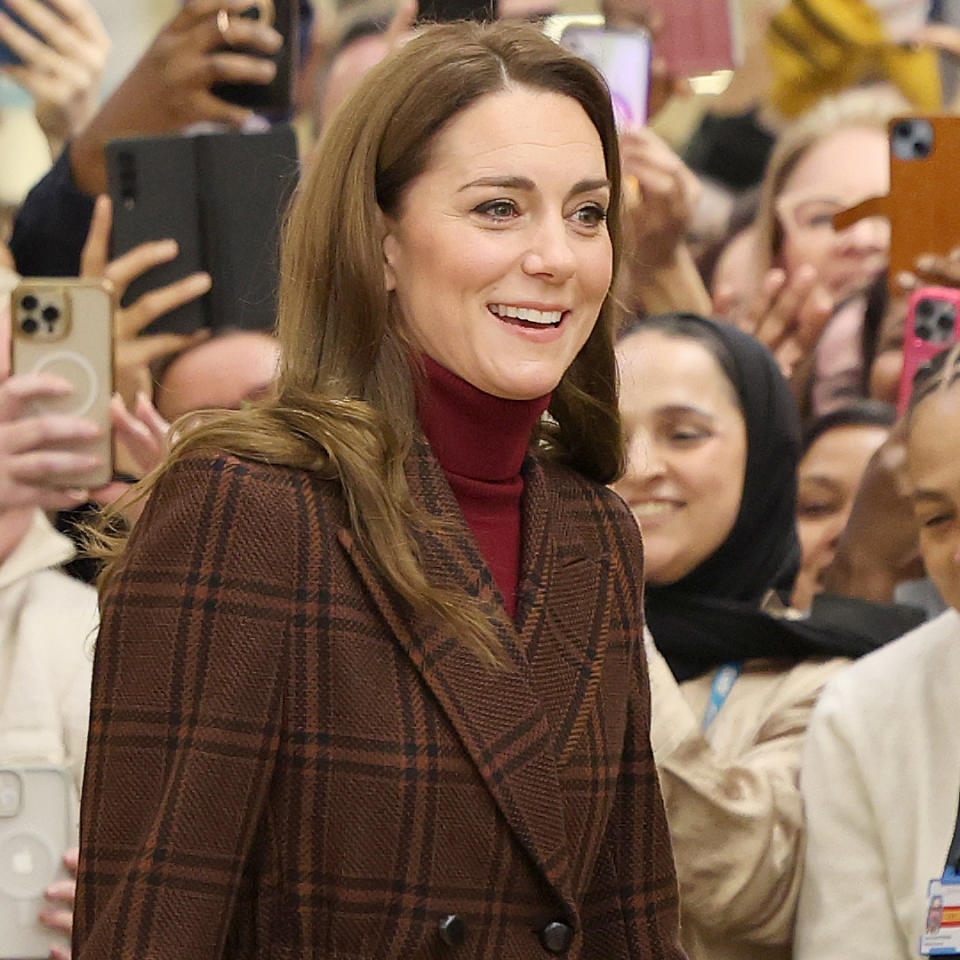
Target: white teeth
527, 313
653, 508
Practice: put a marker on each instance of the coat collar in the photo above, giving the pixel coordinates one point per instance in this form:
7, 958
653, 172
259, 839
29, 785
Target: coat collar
499, 714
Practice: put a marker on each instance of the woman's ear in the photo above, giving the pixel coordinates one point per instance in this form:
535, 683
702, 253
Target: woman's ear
389, 247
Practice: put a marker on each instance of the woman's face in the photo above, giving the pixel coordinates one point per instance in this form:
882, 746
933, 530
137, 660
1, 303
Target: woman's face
500, 258
686, 450
837, 172
829, 476
934, 470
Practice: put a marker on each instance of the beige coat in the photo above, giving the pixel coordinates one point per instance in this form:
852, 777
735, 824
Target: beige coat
47, 626
733, 802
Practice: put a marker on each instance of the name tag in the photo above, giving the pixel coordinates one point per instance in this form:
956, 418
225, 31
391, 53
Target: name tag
941, 924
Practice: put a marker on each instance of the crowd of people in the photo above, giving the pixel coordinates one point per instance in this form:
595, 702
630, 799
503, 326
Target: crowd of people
557, 575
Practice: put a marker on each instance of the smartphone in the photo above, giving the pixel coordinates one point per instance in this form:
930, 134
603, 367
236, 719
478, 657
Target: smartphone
932, 325
274, 99
923, 205
449, 11
623, 57
153, 184
695, 36
65, 327
8, 56
37, 826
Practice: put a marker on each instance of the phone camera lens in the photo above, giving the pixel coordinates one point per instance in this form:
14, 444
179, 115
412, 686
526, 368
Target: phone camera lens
945, 321
29, 302
921, 148
51, 314
903, 129
29, 325
925, 308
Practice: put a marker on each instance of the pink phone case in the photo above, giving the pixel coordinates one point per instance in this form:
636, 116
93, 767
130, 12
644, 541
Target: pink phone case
932, 325
696, 36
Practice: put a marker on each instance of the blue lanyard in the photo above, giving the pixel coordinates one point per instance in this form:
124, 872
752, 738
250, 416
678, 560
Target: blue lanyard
723, 682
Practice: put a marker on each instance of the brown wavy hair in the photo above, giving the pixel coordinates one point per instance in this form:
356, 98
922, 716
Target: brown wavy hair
345, 405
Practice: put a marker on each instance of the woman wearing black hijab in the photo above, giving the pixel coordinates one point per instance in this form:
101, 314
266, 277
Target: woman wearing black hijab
713, 445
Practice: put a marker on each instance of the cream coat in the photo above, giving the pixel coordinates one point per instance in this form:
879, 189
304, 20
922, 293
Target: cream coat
881, 779
48, 623
733, 802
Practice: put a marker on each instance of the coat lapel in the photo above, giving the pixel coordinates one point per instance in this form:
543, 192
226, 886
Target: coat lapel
497, 713
563, 608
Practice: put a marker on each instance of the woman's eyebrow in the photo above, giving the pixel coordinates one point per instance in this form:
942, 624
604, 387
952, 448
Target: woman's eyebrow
525, 183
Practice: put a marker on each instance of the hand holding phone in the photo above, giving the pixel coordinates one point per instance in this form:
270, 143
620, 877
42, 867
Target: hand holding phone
932, 326
62, 333
275, 98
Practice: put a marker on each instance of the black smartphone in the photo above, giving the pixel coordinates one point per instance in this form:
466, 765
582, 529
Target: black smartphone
153, 184
274, 99
448, 11
221, 197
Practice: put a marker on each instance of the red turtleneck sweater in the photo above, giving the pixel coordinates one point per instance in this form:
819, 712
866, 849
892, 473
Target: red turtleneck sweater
481, 441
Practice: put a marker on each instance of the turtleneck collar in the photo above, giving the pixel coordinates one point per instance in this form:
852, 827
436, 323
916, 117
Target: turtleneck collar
475, 435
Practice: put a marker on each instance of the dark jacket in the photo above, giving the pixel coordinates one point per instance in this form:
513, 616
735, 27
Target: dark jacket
285, 763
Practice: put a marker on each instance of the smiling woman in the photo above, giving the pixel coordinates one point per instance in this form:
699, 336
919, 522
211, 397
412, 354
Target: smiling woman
379, 637
713, 443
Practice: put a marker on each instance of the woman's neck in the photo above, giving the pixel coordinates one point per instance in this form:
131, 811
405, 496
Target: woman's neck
475, 435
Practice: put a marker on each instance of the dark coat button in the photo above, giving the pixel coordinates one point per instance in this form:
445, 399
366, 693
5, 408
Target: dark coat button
556, 937
453, 931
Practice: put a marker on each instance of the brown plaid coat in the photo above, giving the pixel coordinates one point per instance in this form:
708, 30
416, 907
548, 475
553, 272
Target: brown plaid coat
285, 765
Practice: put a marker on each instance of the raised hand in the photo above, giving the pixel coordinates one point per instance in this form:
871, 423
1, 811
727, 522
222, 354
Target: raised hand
62, 66
134, 353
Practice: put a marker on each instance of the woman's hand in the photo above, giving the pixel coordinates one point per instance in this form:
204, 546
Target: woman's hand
879, 547
663, 199
142, 435
32, 454
62, 893
62, 67
170, 86
787, 315
135, 353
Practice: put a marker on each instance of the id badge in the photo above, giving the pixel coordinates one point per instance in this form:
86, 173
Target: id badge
941, 924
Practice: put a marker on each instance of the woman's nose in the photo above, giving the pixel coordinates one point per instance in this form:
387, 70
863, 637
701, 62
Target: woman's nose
550, 254
867, 235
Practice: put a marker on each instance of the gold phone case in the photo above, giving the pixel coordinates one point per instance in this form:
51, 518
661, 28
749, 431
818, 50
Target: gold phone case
65, 327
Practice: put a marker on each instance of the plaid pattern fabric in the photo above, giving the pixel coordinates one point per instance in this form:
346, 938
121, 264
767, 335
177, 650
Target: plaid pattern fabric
285, 764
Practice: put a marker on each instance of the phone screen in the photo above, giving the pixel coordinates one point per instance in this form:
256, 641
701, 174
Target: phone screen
623, 57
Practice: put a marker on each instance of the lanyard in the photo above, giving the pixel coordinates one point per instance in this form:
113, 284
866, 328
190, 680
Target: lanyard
723, 682
951, 871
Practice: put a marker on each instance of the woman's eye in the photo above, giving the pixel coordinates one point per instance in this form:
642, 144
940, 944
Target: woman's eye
591, 215
688, 435
498, 209
936, 521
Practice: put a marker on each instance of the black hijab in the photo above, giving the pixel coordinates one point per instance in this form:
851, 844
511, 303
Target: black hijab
712, 615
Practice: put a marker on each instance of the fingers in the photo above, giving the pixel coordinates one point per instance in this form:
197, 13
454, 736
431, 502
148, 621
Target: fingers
236, 68
61, 891
49, 430
18, 391
59, 920
46, 466
781, 318
127, 267
96, 249
403, 21
56, 32
144, 440
157, 303
142, 351
81, 15
205, 35
71, 860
